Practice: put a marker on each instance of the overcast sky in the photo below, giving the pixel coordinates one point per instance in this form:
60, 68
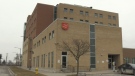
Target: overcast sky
13, 14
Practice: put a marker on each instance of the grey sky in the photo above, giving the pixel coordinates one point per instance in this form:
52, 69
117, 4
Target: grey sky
13, 14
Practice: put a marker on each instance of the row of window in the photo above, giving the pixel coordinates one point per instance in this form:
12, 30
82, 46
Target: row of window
50, 62
130, 60
87, 13
51, 35
109, 24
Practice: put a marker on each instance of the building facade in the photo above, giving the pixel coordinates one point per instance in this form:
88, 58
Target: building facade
100, 28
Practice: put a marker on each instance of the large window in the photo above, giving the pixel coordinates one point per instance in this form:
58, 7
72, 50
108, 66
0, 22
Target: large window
92, 47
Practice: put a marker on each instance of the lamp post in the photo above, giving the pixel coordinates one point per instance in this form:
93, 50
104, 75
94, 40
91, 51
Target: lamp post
20, 54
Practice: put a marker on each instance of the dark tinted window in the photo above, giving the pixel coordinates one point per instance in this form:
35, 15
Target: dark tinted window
92, 60
64, 53
92, 41
92, 28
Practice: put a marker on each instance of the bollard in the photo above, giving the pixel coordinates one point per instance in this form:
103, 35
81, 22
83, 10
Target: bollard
36, 71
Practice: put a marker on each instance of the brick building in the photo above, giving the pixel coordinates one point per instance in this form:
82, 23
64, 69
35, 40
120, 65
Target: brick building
100, 28
129, 55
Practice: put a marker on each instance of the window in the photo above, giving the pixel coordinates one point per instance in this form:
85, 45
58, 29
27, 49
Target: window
48, 60
86, 21
43, 40
81, 20
109, 24
109, 17
65, 17
65, 10
114, 18
71, 10
92, 28
52, 58
114, 24
39, 42
81, 12
44, 61
96, 22
49, 36
92, 41
86, 13
92, 35
96, 15
41, 60
133, 60
71, 18
101, 15
101, 23
53, 34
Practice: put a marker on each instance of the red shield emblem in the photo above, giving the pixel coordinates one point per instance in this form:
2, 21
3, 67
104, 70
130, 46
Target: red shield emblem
64, 26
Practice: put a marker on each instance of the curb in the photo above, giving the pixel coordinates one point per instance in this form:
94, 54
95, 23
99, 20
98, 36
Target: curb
11, 72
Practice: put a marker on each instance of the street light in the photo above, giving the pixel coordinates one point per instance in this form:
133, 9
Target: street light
20, 54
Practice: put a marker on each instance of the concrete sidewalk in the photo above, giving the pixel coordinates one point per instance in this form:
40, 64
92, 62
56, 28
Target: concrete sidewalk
51, 73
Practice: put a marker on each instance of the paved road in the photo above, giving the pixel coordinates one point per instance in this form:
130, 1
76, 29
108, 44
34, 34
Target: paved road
4, 71
110, 75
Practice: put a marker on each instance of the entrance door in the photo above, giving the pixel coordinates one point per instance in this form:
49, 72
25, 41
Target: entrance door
64, 61
110, 61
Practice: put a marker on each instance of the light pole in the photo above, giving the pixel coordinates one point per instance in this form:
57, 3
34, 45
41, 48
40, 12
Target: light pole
20, 54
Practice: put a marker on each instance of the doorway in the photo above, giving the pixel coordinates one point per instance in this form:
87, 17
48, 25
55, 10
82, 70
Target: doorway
64, 60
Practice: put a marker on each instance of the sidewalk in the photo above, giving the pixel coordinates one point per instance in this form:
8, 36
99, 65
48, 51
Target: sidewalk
50, 73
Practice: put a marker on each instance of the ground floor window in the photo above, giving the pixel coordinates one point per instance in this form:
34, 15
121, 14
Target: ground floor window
52, 59
133, 60
48, 60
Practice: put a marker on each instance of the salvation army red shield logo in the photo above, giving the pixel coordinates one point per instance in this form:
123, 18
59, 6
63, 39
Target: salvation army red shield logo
64, 26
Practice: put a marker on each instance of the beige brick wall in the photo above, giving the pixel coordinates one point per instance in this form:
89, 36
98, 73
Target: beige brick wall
25, 53
108, 42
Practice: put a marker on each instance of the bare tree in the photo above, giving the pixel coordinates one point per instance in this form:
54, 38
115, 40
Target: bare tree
77, 48
17, 59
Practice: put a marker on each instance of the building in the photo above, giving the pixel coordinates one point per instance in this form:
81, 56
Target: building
129, 55
41, 17
100, 28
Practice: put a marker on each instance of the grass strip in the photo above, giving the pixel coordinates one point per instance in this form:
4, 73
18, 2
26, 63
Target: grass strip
23, 72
